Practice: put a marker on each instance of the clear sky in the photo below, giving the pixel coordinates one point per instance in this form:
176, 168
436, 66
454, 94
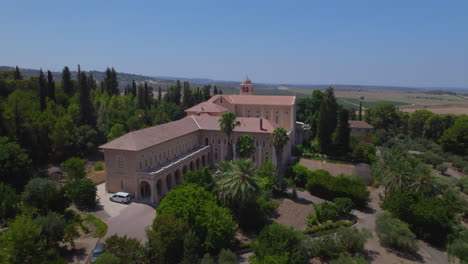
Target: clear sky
392, 42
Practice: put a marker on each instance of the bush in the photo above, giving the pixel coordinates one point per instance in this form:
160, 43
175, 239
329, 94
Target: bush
226, 256
442, 168
327, 226
311, 220
127, 250
343, 206
44, 195
277, 241
107, 258
324, 185
299, 175
212, 224
8, 203
352, 239
52, 228
395, 233
430, 218
343, 259
362, 151
431, 158
99, 166
201, 177
463, 184
465, 170
254, 215
75, 168
207, 259
82, 192
166, 239
458, 247
326, 212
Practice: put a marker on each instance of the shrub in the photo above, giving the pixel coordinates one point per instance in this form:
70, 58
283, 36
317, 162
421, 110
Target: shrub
226, 256
395, 233
324, 185
343, 259
201, 177
328, 226
326, 212
311, 220
8, 202
352, 239
329, 247
127, 250
99, 166
254, 215
278, 241
463, 184
212, 224
465, 170
44, 195
432, 159
82, 192
107, 258
442, 168
52, 228
458, 247
75, 168
207, 259
299, 175
343, 206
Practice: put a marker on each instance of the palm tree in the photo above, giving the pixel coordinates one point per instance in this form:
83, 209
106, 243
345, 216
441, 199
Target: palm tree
237, 183
279, 140
227, 124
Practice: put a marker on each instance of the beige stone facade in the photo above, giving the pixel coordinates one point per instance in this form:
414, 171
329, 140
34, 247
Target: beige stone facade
150, 162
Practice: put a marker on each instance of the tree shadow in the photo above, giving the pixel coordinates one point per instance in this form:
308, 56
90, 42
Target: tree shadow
370, 255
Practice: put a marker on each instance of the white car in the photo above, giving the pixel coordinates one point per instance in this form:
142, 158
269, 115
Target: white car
121, 197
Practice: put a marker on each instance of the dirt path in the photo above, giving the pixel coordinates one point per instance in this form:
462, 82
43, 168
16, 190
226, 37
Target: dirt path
379, 254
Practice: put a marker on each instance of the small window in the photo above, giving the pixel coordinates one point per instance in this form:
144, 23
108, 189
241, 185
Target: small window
120, 162
221, 100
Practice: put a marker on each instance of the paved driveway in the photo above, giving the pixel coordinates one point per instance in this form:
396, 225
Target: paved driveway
124, 219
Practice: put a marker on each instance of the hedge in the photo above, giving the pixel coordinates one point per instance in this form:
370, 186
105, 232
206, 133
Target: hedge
321, 183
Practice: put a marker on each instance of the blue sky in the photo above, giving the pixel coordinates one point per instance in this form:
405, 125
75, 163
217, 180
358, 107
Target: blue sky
405, 43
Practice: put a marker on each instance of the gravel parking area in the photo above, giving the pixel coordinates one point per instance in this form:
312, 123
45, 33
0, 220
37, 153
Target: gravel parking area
124, 219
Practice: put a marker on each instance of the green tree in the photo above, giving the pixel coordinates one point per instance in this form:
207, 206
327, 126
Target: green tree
434, 127
395, 233
206, 92
207, 259
455, 138
82, 192
126, 249
8, 203
201, 177
342, 136
18, 75
15, 165
212, 224
239, 184
53, 228
226, 256
107, 258
245, 146
44, 195
159, 94
22, 242
267, 177
42, 89
327, 120
87, 112
75, 168
383, 115
166, 239
67, 83
50, 85
116, 131
416, 122
279, 139
458, 247
227, 124
111, 84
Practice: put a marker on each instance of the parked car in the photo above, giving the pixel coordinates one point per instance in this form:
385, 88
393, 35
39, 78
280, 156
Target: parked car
121, 197
97, 252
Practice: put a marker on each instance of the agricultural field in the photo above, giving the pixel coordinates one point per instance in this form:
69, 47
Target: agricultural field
406, 101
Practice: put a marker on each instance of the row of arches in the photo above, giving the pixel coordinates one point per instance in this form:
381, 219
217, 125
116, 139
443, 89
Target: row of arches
170, 181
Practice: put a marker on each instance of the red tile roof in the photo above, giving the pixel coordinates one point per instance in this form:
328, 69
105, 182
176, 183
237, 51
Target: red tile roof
359, 124
147, 137
257, 99
207, 107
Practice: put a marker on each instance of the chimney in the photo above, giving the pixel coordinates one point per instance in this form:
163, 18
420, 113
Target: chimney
261, 124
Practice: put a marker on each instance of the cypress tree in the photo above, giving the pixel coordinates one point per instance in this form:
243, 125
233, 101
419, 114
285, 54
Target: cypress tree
206, 92
50, 85
42, 89
342, 132
327, 120
134, 88
114, 82
148, 94
360, 111
67, 84
187, 98
79, 73
18, 75
220, 91
92, 82
177, 92
159, 94
87, 114
215, 90
141, 97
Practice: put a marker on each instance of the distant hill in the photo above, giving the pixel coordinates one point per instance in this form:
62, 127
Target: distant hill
232, 86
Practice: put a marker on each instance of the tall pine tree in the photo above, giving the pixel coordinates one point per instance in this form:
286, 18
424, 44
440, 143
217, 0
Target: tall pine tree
111, 84
42, 89
215, 90
141, 97
18, 75
360, 111
134, 88
67, 84
327, 120
342, 132
187, 99
159, 94
87, 113
177, 96
50, 85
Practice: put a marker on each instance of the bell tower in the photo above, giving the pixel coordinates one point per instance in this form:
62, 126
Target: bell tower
246, 87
